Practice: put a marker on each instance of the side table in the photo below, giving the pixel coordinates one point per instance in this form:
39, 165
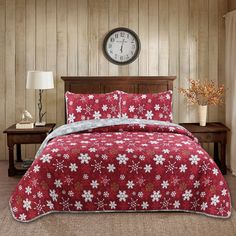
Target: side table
213, 132
35, 135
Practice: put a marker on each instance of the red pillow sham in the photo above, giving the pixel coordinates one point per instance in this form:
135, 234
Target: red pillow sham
92, 106
155, 106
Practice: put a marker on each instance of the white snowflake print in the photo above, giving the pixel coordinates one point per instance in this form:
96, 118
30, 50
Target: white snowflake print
106, 194
59, 165
176, 204
97, 115
156, 195
165, 184
73, 167
111, 167
130, 150
104, 107
145, 205
157, 107
215, 200
112, 205
28, 190
84, 158
170, 167
224, 192
131, 109
97, 166
78, 205
122, 159
65, 204
92, 149
204, 206
94, 184
195, 204
135, 167
71, 118
130, 184
50, 205
166, 151
122, 196
194, 159
27, 204
22, 217
183, 168
87, 195
215, 171
133, 204
58, 183
147, 168
196, 184
187, 195
122, 177
159, 159
39, 194
53, 195
46, 158
78, 109
100, 204
36, 168
165, 203
149, 115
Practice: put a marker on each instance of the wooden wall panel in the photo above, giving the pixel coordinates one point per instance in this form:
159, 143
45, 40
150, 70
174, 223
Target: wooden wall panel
2, 78
30, 42
178, 37
174, 51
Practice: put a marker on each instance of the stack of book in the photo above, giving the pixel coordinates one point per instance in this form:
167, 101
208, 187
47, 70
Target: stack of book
25, 125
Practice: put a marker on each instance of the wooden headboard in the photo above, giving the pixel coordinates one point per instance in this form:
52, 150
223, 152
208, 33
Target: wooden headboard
129, 84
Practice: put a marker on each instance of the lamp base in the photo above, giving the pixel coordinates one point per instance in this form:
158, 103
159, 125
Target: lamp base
40, 123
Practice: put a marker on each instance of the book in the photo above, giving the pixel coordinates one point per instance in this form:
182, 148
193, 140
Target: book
25, 125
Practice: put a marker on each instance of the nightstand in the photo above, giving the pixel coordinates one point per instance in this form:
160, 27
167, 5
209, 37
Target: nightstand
213, 132
23, 136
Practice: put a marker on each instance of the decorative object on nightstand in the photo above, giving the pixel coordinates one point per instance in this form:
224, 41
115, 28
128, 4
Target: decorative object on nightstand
26, 121
40, 80
213, 132
203, 93
36, 135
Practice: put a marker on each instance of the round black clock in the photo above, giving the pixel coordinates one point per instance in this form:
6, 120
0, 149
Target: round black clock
121, 46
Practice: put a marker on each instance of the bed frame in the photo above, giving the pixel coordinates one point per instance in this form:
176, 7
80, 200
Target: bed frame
129, 84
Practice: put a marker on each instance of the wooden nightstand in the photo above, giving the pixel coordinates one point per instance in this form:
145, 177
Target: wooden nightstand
213, 132
23, 136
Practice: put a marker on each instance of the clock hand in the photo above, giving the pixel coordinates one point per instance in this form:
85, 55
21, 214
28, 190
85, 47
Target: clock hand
121, 48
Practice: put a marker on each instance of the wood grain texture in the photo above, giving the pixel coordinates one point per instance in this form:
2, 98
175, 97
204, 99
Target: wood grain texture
2, 79
178, 37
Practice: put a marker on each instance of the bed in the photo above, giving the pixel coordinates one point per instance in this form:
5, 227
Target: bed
120, 152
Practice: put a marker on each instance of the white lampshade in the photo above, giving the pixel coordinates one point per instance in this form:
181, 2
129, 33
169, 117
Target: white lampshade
39, 80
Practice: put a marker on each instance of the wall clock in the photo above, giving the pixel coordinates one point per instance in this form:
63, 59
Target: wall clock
121, 46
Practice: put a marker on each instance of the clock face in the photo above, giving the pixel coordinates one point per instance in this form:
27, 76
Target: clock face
121, 46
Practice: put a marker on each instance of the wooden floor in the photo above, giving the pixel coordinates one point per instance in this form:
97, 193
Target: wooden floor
7, 185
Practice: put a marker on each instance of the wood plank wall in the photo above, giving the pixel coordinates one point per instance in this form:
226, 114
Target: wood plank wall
178, 37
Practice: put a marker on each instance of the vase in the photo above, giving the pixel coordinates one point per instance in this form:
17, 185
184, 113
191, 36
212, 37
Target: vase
202, 115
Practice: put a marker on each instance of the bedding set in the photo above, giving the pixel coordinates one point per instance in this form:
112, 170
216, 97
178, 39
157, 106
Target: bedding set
120, 152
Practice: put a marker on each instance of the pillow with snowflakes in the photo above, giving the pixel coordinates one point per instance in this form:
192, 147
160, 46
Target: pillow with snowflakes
92, 106
155, 106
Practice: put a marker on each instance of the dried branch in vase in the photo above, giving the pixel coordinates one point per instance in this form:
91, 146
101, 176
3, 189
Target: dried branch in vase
203, 93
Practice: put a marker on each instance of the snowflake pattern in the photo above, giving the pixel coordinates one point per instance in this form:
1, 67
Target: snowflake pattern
140, 169
156, 106
91, 106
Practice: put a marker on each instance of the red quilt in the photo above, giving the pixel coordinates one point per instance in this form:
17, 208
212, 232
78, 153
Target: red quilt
145, 167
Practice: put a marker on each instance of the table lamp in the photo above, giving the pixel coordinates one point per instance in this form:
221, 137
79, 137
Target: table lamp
40, 80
